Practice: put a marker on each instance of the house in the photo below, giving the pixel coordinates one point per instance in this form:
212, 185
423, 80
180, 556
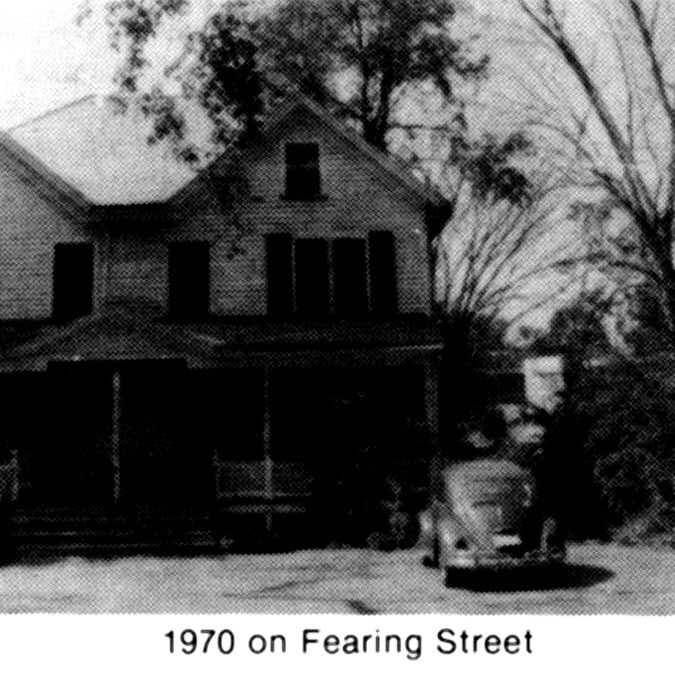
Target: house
171, 371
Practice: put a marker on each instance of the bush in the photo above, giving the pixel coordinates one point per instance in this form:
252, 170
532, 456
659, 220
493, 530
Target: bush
612, 443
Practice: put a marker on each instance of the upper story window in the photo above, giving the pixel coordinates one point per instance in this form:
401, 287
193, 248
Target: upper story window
189, 279
303, 171
73, 280
347, 276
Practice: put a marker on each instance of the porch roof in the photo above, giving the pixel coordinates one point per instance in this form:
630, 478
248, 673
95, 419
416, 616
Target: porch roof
133, 333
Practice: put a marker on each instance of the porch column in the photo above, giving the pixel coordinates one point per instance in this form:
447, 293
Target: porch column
432, 401
16, 482
432, 414
115, 434
267, 445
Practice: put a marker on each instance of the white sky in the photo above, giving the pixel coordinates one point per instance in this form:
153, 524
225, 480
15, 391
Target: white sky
45, 59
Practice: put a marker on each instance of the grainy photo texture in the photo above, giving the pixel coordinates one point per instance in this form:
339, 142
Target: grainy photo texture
332, 306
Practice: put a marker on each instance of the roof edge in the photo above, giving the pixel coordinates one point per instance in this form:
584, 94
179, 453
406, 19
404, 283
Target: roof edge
384, 160
25, 160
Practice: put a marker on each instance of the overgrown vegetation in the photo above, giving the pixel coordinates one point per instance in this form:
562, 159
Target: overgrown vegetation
607, 460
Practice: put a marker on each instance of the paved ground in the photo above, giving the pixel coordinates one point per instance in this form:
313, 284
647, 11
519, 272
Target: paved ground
599, 580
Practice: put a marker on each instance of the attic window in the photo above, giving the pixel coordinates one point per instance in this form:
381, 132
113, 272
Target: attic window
303, 173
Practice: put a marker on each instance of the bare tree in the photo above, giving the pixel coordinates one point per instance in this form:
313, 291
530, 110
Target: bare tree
604, 104
506, 259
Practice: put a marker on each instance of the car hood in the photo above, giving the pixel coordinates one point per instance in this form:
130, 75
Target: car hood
493, 503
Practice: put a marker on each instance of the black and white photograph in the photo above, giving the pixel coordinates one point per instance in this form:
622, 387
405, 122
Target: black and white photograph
328, 307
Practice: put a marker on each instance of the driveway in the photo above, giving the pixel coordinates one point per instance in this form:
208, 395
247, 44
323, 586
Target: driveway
601, 579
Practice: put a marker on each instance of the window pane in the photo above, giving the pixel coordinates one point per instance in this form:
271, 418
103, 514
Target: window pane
350, 277
189, 279
311, 277
73, 280
279, 254
382, 272
303, 176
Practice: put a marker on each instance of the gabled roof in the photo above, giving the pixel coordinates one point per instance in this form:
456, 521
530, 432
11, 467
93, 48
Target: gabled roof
386, 162
98, 154
122, 330
92, 152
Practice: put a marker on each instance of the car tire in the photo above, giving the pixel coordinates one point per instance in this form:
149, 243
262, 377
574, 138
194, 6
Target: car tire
449, 577
432, 558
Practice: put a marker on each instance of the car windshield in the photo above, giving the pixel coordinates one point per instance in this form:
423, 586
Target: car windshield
497, 489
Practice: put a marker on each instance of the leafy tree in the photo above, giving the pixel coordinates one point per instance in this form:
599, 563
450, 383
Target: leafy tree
369, 54
217, 68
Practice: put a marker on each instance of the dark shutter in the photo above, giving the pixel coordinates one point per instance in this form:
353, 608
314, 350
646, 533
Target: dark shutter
303, 174
73, 281
189, 279
350, 277
312, 290
383, 298
279, 258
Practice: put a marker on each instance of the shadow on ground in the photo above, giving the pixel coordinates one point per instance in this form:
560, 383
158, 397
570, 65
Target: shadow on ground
571, 576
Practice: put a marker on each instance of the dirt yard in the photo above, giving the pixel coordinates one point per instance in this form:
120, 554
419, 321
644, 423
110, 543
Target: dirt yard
600, 579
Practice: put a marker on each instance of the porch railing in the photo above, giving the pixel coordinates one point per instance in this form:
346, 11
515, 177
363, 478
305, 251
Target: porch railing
271, 479
264, 478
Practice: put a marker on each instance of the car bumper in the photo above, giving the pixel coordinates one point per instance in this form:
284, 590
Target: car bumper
498, 561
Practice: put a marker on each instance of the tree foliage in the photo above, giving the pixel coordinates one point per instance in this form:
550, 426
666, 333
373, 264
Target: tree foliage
216, 67
613, 438
368, 61
368, 54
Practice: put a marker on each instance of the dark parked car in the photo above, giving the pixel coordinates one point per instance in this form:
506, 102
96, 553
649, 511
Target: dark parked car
486, 514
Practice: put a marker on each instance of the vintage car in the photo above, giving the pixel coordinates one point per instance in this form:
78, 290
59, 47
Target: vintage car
486, 514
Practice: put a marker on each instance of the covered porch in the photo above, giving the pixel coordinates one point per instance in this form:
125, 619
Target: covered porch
210, 446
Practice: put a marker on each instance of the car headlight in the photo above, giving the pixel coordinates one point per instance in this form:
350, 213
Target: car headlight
453, 540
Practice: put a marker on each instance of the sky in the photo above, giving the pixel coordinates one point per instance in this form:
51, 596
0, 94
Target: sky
45, 59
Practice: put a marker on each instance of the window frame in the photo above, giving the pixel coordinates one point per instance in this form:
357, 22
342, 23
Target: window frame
199, 313
57, 311
300, 197
371, 311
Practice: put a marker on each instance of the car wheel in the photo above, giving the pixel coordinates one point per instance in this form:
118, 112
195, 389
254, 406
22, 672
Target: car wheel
431, 559
449, 577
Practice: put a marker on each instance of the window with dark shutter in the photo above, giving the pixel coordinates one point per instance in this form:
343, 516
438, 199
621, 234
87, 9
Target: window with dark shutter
312, 286
350, 277
382, 266
73, 280
189, 279
279, 259
303, 173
